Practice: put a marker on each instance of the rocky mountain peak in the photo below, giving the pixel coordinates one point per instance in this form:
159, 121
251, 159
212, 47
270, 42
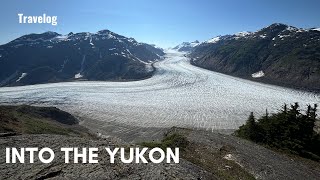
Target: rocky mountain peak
105, 31
186, 46
52, 57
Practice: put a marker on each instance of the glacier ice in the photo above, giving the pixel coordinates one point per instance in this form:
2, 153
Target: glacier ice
178, 94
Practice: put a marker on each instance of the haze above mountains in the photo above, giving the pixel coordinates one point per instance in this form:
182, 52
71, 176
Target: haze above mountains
277, 54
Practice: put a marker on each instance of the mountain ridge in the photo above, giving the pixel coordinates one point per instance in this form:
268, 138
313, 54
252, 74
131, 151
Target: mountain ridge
277, 54
53, 57
186, 46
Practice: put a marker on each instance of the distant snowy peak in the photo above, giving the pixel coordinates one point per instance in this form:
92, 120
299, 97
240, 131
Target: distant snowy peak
36, 37
49, 38
214, 40
274, 32
186, 46
242, 33
315, 29
100, 35
217, 39
195, 43
236, 36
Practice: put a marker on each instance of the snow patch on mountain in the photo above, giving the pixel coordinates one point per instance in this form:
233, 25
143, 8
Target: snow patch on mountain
130, 52
242, 34
291, 28
78, 76
110, 36
61, 38
301, 30
263, 36
186, 46
22, 76
91, 42
283, 36
131, 40
258, 74
214, 40
316, 29
192, 44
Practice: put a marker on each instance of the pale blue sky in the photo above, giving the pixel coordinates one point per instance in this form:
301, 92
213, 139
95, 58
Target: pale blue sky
163, 22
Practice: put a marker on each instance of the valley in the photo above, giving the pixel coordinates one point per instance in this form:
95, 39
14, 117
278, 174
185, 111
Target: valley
178, 94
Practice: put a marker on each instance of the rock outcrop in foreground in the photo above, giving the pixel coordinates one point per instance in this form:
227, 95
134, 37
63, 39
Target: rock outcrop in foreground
203, 154
103, 170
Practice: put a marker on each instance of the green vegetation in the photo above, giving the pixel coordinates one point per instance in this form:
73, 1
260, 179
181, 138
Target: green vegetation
202, 155
36, 126
169, 141
289, 130
39, 120
214, 162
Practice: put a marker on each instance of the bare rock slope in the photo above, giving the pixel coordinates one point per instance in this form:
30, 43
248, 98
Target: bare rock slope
103, 170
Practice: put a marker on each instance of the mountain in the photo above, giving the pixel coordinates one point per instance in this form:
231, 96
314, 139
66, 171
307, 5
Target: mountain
186, 46
52, 57
277, 54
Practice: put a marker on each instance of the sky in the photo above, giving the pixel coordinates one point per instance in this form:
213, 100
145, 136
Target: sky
165, 23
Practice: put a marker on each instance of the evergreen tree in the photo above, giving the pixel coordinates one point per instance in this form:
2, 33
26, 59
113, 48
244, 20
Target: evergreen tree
289, 129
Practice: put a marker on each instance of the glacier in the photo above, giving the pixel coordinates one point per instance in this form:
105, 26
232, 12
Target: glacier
178, 94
